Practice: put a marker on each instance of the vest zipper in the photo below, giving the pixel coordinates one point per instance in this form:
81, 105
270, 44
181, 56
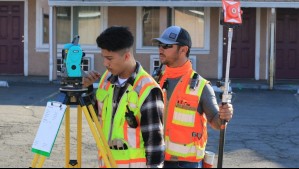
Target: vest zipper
111, 126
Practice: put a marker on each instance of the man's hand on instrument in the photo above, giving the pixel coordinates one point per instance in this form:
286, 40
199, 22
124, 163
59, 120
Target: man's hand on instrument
90, 78
226, 111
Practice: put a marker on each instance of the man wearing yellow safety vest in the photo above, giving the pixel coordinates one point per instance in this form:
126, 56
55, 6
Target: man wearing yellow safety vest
190, 102
130, 103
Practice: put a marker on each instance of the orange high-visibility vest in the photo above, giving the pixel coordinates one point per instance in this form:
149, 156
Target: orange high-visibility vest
185, 128
117, 127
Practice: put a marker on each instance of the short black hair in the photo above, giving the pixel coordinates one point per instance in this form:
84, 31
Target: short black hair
115, 39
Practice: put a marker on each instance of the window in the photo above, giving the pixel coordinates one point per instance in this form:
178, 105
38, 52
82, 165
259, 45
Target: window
63, 29
154, 63
44, 21
192, 19
154, 20
85, 21
150, 25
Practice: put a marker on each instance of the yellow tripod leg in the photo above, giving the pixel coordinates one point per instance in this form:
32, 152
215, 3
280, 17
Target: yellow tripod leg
67, 137
36, 163
98, 140
100, 131
68, 141
41, 162
35, 160
79, 136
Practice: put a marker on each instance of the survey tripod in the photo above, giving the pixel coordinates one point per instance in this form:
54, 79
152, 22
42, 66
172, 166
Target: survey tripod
83, 100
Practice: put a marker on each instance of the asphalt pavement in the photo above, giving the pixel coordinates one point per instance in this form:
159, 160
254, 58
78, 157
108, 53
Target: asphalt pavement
263, 133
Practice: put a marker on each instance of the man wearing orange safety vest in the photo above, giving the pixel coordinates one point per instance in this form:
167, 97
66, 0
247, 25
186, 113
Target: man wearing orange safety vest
190, 102
130, 104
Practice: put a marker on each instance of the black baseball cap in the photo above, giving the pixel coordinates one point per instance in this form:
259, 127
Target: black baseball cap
175, 35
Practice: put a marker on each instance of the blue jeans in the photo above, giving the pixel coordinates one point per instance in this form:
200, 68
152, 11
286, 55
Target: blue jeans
182, 164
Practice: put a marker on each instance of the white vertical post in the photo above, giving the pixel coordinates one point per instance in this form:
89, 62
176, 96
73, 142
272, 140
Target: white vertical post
51, 44
257, 44
272, 49
54, 23
26, 38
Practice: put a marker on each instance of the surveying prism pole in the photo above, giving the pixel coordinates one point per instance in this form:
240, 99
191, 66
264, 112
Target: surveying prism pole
231, 18
226, 98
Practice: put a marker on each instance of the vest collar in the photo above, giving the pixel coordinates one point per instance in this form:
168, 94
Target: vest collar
178, 71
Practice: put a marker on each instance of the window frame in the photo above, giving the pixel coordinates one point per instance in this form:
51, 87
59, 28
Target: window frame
44, 47
153, 49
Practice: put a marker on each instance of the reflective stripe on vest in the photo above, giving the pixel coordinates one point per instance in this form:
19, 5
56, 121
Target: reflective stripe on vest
134, 97
122, 158
104, 83
186, 129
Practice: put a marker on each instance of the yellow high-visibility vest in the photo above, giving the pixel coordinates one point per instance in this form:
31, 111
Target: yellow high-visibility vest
117, 127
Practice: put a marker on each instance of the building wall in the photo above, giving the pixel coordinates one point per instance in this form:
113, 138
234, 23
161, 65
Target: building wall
207, 64
121, 16
38, 63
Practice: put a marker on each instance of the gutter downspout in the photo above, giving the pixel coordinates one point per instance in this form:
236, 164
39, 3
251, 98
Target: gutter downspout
272, 49
26, 38
52, 47
51, 44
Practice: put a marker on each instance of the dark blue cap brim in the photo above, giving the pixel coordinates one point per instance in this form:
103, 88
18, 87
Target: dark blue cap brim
165, 41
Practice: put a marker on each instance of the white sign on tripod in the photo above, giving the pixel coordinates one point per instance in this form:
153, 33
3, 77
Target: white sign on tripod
48, 128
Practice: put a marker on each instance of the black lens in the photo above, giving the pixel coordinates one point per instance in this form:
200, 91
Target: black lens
165, 46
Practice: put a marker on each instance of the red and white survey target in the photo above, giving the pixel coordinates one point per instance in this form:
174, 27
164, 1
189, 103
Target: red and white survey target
232, 11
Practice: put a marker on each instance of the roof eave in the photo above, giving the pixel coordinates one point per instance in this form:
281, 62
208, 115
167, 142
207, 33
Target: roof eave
173, 3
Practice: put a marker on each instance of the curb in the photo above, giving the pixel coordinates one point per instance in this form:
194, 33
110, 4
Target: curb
39, 82
245, 86
266, 87
219, 90
233, 86
4, 84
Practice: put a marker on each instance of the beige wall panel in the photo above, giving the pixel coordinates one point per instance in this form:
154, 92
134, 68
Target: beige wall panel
207, 65
144, 59
38, 62
98, 63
